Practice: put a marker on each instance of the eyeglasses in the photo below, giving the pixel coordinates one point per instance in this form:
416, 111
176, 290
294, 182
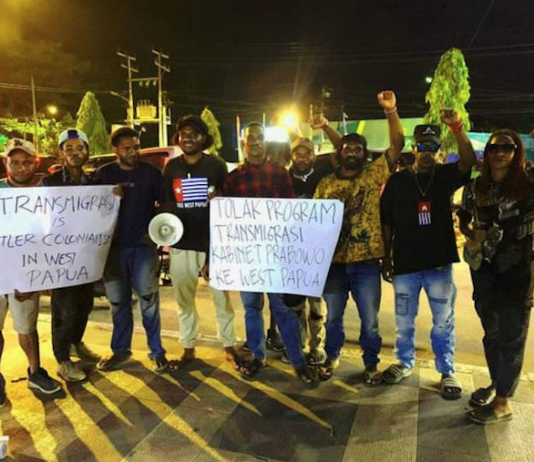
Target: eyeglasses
507, 148
428, 147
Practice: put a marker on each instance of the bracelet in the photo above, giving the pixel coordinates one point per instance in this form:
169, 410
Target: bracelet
391, 111
457, 127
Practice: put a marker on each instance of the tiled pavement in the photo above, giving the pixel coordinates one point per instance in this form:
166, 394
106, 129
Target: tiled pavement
208, 413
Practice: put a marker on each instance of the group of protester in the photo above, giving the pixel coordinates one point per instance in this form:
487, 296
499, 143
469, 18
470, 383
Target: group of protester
397, 224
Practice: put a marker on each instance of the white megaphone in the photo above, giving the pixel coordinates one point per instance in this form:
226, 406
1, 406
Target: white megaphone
165, 229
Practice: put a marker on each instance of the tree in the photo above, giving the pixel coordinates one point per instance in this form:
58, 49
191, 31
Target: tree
92, 122
449, 89
48, 131
213, 129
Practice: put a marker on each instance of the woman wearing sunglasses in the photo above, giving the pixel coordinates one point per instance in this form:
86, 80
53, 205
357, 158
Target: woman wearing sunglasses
498, 207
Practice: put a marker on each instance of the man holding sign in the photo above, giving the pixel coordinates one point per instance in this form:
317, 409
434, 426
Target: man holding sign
133, 258
71, 306
356, 265
21, 163
256, 178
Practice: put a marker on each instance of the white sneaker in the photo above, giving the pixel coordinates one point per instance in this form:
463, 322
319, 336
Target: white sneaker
71, 372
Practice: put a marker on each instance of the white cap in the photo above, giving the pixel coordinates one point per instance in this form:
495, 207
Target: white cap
73, 134
17, 144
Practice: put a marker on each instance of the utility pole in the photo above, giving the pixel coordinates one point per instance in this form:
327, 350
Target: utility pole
131, 69
162, 110
35, 118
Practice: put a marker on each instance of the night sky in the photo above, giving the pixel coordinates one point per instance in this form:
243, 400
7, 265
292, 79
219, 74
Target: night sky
251, 57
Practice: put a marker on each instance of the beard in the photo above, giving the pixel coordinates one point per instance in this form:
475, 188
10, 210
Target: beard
352, 163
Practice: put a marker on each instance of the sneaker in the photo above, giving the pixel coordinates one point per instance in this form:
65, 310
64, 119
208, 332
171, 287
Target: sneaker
160, 364
71, 372
40, 380
3, 397
284, 358
274, 342
112, 362
81, 351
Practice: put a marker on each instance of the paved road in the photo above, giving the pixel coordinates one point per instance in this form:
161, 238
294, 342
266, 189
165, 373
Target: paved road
469, 333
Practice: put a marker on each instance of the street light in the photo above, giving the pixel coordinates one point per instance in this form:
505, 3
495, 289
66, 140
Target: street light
428, 79
52, 109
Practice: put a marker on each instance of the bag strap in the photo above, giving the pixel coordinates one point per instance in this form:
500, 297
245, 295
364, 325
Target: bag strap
475, 208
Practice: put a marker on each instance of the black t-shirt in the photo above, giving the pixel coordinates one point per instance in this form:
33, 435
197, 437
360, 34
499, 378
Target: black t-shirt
305, 185
185, 194
418, 209
142, 190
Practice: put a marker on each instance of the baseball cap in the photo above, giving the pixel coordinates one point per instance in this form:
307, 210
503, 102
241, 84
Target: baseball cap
72, 134
198, 124
17, 144
422, 133
302, 142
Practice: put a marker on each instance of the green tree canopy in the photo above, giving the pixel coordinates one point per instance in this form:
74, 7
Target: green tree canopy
91, 121
449, 89
213, 129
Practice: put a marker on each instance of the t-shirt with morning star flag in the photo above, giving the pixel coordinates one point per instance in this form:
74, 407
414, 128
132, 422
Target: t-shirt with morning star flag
418, 209
185, 194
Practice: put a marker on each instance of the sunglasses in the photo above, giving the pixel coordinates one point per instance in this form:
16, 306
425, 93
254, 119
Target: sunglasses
496, 147
428, 147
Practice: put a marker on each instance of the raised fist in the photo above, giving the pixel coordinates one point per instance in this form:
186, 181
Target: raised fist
449, 116
387, 100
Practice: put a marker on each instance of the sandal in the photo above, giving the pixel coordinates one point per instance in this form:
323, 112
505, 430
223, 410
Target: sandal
371, 376
316, 357
326, 371
485, 415
482, 396
251, 368
179, 364
451, 388
307, 375
395, 373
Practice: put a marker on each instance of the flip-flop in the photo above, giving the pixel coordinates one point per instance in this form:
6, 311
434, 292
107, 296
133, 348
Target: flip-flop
251, 368
372, 377
179, 364
482, 396
395, 373
308, 376
451, 388
485, 415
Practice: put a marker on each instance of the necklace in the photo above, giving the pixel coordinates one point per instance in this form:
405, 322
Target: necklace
421, 190
303, 178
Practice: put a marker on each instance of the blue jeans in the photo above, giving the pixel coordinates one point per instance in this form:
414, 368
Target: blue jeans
441, 293
286, 320
134, 268
362, 280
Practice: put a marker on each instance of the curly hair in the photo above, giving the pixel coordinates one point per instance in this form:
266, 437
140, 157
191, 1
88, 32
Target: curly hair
516, 185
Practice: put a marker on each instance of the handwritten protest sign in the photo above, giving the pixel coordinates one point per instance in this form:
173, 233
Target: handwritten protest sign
54, 237
273, 245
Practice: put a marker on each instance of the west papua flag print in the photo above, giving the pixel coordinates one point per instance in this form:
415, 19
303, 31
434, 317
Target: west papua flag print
193, 189
425, 208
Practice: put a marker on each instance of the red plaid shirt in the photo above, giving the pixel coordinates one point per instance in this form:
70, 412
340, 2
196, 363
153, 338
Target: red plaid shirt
266, 180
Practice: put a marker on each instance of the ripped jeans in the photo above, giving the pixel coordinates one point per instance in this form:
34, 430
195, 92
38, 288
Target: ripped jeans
133, 268
441, 292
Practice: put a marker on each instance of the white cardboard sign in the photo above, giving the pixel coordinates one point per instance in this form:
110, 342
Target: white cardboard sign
273, 245
54, 237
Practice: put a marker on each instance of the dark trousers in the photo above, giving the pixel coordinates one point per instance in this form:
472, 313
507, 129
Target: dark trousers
71, 307
502, 302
